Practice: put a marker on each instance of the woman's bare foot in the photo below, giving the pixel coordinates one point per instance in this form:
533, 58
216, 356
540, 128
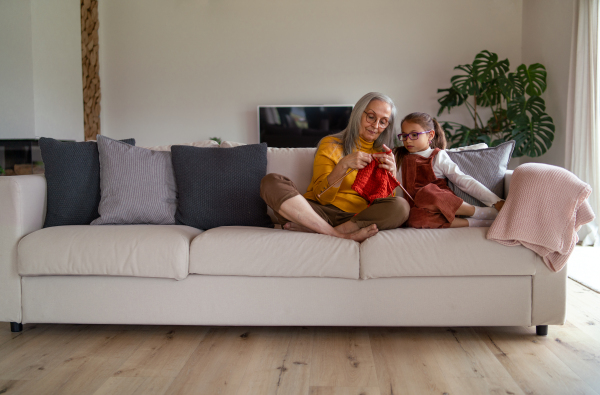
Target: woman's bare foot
362, 234
347, 227
297, 227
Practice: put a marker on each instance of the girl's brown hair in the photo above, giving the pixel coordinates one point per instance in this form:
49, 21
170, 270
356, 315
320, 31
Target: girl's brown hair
427, 122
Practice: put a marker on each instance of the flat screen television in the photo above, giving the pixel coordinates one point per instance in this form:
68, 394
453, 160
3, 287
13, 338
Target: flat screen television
300, 126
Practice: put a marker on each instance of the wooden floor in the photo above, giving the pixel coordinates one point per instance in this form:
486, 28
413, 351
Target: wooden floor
102, 359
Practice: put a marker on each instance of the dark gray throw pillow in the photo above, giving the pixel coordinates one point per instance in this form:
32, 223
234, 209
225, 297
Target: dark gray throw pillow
73, 181
137, 185
486, 165
220, 187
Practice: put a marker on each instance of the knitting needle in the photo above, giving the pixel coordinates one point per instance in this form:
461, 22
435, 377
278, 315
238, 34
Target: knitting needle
335, 182
405, 191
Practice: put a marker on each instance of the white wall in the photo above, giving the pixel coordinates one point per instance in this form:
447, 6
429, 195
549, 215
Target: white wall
547, 30
17, 118
179, 71
40, 69
57, 74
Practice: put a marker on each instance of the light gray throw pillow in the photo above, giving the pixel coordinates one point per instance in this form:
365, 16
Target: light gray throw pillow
137, 185
486, 165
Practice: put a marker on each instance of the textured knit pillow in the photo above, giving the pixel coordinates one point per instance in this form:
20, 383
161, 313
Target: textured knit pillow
220, 187
486, 165
137, 185
73, 181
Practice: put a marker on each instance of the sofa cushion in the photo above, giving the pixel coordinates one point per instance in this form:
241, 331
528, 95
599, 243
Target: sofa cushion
137, 185
408, 252
73, 180
220, 187
487, 166
110, 250
294, 163
248, 251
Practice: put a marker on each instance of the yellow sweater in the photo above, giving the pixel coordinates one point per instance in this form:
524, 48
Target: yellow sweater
343, 197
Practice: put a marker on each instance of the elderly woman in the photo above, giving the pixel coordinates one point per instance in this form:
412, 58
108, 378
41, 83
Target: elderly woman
332, 207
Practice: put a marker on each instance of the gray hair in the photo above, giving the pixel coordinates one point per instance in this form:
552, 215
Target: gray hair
349, 136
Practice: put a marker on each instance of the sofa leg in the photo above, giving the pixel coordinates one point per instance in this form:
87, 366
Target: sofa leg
16, 327
541, 330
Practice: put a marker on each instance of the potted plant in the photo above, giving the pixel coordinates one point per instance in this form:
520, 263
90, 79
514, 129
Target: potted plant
518, 111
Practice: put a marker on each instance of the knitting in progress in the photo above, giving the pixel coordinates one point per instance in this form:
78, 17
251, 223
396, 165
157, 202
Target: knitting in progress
372, 182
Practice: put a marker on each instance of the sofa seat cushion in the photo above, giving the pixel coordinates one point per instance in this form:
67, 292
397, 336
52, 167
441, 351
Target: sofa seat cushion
108, 250
253, 251
408, 252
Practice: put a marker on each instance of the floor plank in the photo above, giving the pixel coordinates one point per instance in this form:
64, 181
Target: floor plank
579, 351
342, 357
582, 308
219, 362
164, 353
295, 380
280, 363
39, 354
531, 364
468, 366
406, 362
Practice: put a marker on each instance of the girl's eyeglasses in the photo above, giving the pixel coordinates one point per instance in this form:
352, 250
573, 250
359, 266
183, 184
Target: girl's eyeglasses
411, 135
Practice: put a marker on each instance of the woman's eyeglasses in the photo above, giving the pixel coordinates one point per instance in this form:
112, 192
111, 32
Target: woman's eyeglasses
372, 119
411, 135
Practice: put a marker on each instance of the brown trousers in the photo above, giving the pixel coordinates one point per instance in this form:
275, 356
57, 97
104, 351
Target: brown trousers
386, 213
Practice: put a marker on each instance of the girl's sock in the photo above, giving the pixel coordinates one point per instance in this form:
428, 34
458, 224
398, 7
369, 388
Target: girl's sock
485, 213
479, 223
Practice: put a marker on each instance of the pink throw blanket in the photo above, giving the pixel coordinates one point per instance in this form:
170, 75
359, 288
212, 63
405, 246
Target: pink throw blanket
544, 210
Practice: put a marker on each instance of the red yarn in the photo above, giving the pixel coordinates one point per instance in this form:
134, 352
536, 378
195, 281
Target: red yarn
372, 182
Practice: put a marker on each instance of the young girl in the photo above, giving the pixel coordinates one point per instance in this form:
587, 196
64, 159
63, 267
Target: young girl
425, 166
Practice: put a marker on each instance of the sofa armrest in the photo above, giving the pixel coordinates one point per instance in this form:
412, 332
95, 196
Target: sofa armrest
507, 177
22, 210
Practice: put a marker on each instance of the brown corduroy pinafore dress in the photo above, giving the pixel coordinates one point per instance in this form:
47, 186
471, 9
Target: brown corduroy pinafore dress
434, 205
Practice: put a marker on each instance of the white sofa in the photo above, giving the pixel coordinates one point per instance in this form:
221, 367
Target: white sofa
154, 274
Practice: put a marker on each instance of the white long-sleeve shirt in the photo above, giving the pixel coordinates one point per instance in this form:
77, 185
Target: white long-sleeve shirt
444, 167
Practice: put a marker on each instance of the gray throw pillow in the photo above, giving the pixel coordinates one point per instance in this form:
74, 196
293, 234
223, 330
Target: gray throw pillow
486, 165
72, 180
220, 187
137, 185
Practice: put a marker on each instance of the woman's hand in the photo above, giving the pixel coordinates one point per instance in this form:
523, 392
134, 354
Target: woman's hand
356, 160
498, 205
386, 160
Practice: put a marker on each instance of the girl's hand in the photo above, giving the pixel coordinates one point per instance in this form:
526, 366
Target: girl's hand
356, 160
386, 160
499, 205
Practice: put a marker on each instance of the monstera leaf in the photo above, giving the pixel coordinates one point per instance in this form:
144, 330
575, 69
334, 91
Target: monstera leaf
491, 94
534, 106
533, 138
532, 78
486, 66
465, 84
511, 86
452, 98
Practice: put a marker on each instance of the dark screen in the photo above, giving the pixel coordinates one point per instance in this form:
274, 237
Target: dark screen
300, 126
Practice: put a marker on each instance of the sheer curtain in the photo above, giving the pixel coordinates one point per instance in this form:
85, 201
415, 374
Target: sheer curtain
583, 116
